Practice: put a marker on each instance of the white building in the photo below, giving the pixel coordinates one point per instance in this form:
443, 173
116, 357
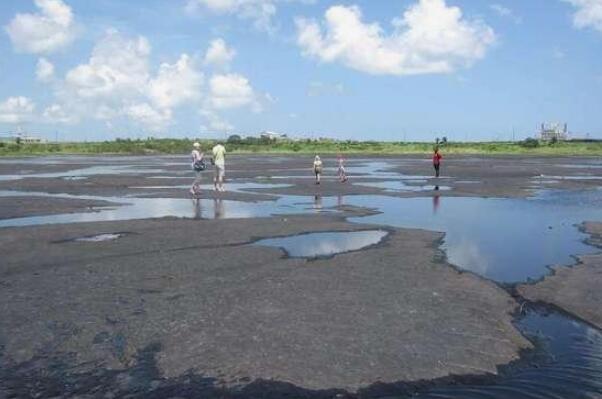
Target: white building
267, 135
554, 131
24, 138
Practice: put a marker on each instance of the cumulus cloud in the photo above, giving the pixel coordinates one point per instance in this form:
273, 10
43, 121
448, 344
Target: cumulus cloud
44, 70
219, 54
118, 66
588, 14
230, 91
176, 84
117, 83
153, 119
16, 110
505, 12
215, 122
51, 29
57, 114
430, 37
260, 12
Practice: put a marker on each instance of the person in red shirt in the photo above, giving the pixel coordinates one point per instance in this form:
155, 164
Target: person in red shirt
437, 161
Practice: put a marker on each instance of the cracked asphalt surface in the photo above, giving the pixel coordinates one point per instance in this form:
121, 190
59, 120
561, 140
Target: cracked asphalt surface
190, 303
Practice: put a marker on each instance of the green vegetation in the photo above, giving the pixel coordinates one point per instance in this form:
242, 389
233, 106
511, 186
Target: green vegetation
254, 145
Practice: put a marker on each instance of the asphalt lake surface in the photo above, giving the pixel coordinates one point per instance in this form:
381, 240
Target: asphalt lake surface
506, 240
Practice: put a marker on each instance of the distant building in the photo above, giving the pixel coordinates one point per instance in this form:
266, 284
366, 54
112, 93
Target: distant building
554, 131
23, 138
267, 135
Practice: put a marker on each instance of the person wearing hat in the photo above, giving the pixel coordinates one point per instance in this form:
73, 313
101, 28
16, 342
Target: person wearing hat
198, 165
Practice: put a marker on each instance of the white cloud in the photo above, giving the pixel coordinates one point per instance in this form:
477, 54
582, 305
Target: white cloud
47, 31
176, 84
16, 110
56, 114
215, 122
260, 12
505, 12
429, 38
118, 66
588, 14
116, 83
230, 91
153, 119
219, 54
44, 70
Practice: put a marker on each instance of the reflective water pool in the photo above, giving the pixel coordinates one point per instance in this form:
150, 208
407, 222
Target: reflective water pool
507, 240
569, 365
319, 245
401, 186
131, 208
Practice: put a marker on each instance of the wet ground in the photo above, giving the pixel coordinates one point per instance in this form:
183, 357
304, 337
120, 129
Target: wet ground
482, 283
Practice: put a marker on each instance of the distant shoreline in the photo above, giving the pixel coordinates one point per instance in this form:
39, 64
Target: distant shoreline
183, 146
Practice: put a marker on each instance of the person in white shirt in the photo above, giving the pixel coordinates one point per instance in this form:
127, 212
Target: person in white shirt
219, 162
198, 166
318, 168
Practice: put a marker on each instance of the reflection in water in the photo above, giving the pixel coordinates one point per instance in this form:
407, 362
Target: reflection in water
219, 210
132, 208
401, 186
511, 239
436, 199
198, 210
100, 237
316, 245
317, 202
340, 200
85, 172
570, 366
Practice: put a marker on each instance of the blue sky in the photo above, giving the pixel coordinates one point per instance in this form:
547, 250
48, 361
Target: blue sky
365, 69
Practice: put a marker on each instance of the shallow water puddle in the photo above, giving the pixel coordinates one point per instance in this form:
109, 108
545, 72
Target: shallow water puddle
506, 240
320, 245
569, 365
100, 237
132, 208
401, 186
246, 187
85, 172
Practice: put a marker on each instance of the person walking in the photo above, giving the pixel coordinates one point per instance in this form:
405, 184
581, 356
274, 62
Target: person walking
198, 166
219, 163
341, 170
437, 157
317, 168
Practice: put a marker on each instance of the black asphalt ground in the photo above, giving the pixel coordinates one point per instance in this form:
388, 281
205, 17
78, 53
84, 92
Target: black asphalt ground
191, 308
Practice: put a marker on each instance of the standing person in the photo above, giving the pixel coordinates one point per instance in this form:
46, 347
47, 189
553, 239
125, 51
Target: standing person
437, 157
198, 166
219, 163
341, 171
318, 168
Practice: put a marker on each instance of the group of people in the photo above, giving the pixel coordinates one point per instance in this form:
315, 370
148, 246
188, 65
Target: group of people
218, 160
319, 166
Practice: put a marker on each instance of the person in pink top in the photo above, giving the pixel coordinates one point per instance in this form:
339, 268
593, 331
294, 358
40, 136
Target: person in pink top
341, 170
